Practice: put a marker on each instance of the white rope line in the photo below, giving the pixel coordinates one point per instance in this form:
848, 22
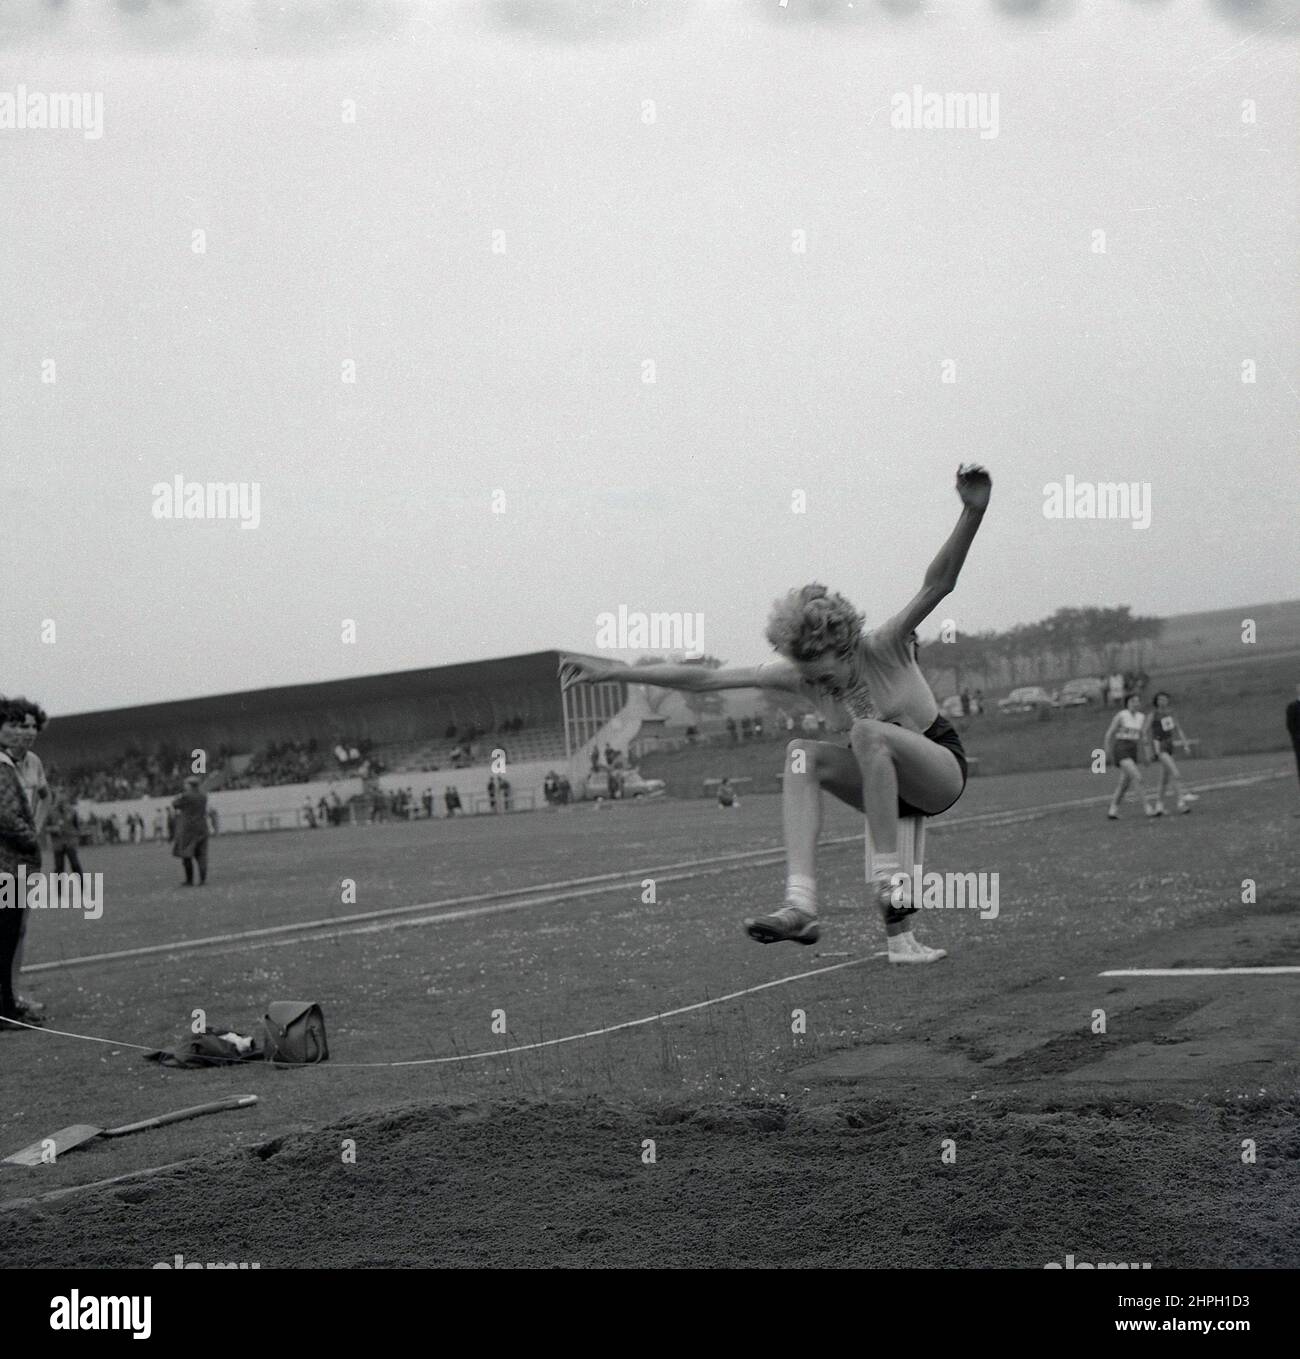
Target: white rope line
85, 1037
518, 1047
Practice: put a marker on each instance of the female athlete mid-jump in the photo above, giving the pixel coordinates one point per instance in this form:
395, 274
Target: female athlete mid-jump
901, 758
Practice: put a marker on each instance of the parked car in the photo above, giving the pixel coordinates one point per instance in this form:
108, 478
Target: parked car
634, 786
1079, 693
1031, 698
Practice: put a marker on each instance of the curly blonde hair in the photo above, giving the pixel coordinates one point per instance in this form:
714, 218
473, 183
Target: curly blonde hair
812, 620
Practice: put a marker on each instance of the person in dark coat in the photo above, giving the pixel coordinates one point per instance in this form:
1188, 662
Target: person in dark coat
64, 830
19, 847
190, 843
1293, 725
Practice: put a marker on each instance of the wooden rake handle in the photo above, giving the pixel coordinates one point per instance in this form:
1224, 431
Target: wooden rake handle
196, 1111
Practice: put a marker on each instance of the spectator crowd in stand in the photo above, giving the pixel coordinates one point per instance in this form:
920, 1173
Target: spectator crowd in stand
277, 763
135, 774
131, 775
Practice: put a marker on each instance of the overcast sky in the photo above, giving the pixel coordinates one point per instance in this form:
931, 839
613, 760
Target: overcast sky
631, 234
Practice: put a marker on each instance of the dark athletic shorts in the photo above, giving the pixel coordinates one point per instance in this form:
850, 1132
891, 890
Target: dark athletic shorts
1164, 747
942, 733
1126, 750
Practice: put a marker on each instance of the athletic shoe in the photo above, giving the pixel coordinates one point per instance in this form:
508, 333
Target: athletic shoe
1159, 811
905, 948
1111, 814
29, 1011
790, 922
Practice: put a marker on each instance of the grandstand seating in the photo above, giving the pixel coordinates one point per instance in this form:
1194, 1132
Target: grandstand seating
285, 763
532, 743
401, 724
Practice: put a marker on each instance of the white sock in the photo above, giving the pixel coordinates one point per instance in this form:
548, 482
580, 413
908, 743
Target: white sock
884, 866
801, 892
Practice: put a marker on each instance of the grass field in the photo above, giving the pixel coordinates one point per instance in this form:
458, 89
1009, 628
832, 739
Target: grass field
822, 1147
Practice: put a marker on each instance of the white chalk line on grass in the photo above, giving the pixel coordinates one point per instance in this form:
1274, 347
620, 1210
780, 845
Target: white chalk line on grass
1200, 972
467, 907
517, 1047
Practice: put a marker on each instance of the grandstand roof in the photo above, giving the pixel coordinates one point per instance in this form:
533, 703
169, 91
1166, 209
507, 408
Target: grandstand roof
251, 715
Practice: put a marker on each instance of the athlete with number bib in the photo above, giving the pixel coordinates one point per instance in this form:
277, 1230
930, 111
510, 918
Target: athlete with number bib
1164, 733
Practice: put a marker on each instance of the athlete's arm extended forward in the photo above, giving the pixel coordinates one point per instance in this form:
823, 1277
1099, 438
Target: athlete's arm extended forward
693, 678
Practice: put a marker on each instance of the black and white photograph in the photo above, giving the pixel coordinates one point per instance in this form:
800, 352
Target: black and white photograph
650, 636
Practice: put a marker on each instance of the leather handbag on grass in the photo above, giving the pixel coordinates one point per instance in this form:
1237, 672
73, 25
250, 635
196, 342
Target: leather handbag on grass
295, 1032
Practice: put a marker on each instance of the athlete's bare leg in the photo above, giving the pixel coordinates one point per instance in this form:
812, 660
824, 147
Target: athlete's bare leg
883, 763
1169, 775
1129, 775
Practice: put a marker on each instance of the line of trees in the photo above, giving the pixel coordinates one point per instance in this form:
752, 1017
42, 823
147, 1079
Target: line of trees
1069, 643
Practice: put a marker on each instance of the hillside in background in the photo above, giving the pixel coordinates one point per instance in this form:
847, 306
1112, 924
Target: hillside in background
1192, 637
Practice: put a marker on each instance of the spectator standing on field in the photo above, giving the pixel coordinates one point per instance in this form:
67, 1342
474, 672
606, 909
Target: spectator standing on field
64, 831
190, 843
19, 842
24, 722
1293, 725
19, 848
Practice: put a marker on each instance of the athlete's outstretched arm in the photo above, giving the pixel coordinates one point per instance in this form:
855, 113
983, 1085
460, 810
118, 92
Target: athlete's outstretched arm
695, 678
974, 486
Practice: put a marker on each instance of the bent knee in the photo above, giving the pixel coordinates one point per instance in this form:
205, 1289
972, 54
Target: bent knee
867, 734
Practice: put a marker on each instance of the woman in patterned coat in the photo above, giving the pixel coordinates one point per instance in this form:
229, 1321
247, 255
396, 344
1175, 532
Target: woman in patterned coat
19, 848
